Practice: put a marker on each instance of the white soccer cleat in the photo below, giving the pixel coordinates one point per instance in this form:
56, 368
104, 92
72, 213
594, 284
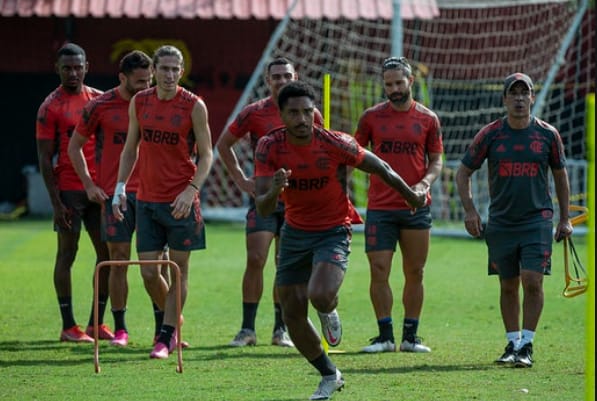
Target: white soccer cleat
380, 345
243, 338
415, 346
327, 386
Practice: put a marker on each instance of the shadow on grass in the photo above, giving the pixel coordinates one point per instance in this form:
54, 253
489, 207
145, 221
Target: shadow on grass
44, 352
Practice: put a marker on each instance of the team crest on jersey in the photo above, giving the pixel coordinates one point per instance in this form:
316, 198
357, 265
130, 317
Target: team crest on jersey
417, 129
323, 163
176, 120
536, 146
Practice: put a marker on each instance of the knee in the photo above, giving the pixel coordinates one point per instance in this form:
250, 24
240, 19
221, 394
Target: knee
150, 274
323, 301
256, 261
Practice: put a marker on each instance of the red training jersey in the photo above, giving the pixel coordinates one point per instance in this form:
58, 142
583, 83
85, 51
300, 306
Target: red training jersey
316, 198
167, 144
56, 120
259, 118
106, 119
403, 139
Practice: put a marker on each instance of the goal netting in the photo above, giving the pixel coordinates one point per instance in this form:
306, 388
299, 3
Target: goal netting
462, 57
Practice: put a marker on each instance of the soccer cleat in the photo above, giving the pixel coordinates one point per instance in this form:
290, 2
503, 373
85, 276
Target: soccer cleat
331, 327
121, 338
160, 351
379, 344
243, 338
75, 335
414, 346
281, 338
327, 386
524, 356
508, 356
104, 332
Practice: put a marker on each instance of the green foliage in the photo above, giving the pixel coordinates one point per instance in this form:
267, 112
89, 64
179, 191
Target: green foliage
461, 323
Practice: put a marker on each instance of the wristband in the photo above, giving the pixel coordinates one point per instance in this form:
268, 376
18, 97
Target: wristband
120, 190
194, 186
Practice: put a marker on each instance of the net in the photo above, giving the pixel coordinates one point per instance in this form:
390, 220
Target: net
462, 57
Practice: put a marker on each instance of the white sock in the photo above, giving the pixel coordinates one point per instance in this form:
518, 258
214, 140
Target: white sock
527, 337
514, 337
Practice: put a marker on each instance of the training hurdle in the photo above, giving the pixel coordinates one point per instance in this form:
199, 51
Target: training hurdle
141, 263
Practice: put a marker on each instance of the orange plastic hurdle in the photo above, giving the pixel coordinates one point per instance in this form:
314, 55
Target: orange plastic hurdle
141, 263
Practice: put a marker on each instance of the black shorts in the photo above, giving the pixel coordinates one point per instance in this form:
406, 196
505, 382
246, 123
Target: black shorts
382, 227
119, 231
81, 210
301, 250
272, 223
527, 248
157, 228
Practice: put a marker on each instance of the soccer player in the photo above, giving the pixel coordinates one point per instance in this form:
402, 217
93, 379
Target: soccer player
407, 135
56, 120
519, 149
257, 119
307, 165
105, 120
170, 141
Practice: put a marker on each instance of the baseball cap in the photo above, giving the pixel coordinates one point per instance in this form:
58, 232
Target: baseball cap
516, 77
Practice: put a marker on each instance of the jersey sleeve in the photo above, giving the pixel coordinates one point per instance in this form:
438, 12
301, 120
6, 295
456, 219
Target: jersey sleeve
45, 123
263, 163
363, 132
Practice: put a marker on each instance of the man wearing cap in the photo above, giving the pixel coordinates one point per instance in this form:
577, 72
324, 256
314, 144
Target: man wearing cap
520, 149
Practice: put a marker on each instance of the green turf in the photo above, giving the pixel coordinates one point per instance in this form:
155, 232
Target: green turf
461, 323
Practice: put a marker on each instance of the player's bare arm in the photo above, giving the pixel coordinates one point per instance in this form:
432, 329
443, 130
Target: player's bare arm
472, 219
181, 207
268, 190
75, 153
45, 151
374, 165
560, 180
434, 169
224, 145
128, 157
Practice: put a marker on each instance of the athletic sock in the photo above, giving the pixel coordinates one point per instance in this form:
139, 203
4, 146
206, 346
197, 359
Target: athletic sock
527, 337
386, 328
159, 319
278, 321
101, 309
324, 365
66, 311
119, 323
166, 334
514, 337
249, 314
409, 329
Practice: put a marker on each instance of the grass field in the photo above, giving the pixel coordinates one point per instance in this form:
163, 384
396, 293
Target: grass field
461, 323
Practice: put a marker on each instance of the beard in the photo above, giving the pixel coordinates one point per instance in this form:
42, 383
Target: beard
399, 98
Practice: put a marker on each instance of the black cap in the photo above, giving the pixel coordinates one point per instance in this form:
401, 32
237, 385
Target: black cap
517, 77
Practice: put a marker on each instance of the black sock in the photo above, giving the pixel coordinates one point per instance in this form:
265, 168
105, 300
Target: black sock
159, 319
249, 314
119, 323
166, 334
324, 365
101, 309
66, 311
278, 320
386, 329
409, 330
